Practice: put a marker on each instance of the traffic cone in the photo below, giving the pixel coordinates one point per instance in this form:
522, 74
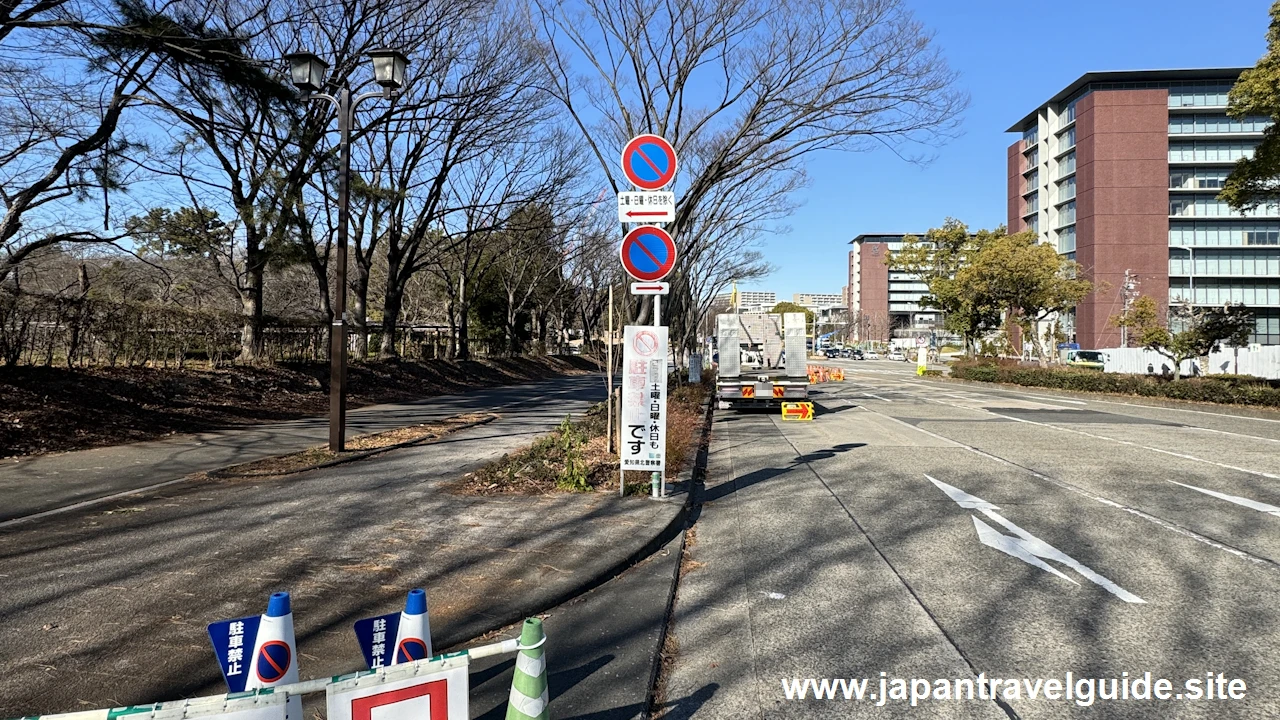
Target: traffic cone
413, 638
275, 652
529, 697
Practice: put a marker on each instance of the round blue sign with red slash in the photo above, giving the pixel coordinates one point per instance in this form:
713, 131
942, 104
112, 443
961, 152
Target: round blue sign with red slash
273, 661
649, 162
411, 649
648, 253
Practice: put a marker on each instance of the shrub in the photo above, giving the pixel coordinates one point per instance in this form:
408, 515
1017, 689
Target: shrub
1229, 389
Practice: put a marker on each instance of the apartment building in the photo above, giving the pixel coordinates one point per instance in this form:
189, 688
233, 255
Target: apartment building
1120, 171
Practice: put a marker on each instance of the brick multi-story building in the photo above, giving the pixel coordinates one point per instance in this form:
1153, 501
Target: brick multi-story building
1120, 170
880, 300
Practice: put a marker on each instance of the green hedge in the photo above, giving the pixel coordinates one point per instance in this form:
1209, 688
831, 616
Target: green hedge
1231, 389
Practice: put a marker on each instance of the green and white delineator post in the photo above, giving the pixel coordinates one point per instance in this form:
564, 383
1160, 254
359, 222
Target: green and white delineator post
529, 697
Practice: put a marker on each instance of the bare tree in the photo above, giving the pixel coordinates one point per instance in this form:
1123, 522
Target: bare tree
71, 70
744, 89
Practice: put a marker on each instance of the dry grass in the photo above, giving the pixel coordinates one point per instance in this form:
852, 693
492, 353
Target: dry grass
311, 457
575, 458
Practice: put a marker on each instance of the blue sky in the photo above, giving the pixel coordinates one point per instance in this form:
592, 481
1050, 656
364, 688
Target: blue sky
1011, 56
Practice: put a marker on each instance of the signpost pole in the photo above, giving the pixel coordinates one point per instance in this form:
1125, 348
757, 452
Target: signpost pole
658, 482
609, 363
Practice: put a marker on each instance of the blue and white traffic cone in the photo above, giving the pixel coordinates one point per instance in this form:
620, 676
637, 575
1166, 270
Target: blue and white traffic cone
275, 652
413, 638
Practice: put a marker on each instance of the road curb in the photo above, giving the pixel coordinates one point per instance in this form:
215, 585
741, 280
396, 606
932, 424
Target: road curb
693, 505
469, 632
222, 474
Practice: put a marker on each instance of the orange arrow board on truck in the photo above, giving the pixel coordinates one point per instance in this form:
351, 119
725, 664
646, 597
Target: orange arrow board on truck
797, 411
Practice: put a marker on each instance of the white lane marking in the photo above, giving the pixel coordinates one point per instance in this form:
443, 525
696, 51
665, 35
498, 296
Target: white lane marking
1130, 443
89, 503
1246, 502
1054, 399
1228, 432
877, 397
1153, 407
1026, 547
1092, 496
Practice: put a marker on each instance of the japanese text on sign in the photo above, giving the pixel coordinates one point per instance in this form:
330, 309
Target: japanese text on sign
644, 402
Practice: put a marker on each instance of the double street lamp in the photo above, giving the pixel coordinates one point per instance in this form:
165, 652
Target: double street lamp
308, 73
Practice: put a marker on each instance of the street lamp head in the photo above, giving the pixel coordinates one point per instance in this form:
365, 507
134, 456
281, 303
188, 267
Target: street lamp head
307, 70
388, 67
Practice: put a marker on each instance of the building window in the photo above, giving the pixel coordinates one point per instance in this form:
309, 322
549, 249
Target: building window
1031, 135
1067, 214
1215, 291
1068, 114
1210, 151
1032, 181
1253, 262
1034, 158
1267, 327
1067, 240
1211, 206
1199, 94
1206, 179
1067, 139
1067, 165
1222, 234
1208, 124
1067, 189
1032, 204
1034, 225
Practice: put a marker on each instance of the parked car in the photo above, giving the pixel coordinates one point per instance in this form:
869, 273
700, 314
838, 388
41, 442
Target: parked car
856, 354
1086, 359
871, 355
831, 353
897, 355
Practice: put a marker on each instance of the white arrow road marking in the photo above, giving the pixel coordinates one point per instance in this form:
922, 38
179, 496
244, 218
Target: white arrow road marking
1026, 547
1015, 547
1252, 504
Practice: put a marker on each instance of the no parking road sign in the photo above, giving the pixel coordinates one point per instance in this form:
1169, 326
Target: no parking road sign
648, 253
649, 162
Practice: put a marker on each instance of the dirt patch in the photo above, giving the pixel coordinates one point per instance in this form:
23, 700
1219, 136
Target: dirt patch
49, 409
576, 458
356, 446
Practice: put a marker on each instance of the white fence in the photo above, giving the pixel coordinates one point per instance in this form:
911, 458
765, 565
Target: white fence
1261, 361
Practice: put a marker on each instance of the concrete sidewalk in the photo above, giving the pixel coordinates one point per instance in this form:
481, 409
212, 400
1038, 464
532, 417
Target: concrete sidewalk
107, 606
37, 484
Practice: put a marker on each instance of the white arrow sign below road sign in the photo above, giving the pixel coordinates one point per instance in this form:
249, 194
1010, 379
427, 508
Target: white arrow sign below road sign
646, 207
654, 288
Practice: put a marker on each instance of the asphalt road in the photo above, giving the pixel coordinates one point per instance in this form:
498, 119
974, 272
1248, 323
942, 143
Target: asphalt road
107, 606
46, 484
933, 531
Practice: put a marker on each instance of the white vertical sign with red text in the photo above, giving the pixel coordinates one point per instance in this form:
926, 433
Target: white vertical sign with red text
644, 398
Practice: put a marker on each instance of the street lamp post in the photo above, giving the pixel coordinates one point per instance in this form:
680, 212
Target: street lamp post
1191, 272
307, 71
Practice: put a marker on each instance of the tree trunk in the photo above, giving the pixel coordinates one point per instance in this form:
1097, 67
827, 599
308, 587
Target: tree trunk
464, 341
391, 306
251, 300
392, 303
360, 311
513, 344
